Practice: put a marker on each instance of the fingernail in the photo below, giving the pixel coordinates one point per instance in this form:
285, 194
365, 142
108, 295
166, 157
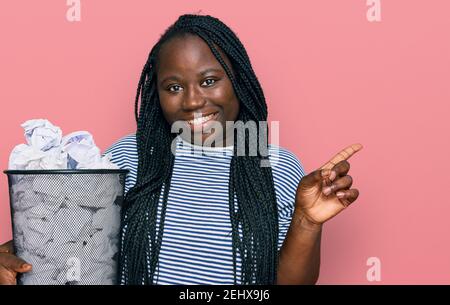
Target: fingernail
327, 190
332, 175
24, 266
325, 172
340, 194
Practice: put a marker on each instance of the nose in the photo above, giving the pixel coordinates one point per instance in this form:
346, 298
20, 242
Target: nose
193, 100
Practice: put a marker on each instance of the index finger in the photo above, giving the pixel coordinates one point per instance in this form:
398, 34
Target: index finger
344, 154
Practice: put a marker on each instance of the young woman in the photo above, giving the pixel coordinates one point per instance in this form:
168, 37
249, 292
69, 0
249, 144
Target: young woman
216, 217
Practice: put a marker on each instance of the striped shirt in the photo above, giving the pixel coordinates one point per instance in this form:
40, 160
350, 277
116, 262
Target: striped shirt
197, 244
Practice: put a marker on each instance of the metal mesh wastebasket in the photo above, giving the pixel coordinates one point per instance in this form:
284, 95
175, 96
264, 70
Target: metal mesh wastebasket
66, 223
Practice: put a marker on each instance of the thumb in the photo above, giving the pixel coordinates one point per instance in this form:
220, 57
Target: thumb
318, 176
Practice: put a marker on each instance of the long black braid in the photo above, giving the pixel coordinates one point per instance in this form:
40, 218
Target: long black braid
252, 200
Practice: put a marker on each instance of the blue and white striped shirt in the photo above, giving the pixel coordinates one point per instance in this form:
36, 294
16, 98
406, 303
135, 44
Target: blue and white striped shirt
196, 245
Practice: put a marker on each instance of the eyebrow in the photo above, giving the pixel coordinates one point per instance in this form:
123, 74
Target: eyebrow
210, 70
175, 78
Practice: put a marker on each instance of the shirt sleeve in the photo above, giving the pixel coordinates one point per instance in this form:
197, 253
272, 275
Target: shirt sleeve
287, 172
124, 154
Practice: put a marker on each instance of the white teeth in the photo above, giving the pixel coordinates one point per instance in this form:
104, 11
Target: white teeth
201, 120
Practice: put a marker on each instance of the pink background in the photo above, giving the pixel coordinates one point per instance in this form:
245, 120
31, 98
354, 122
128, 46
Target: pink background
330, 77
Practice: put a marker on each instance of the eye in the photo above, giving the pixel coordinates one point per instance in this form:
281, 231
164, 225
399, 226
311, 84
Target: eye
209, 82
175, 87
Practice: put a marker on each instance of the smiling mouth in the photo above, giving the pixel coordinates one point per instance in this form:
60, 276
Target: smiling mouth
203, 119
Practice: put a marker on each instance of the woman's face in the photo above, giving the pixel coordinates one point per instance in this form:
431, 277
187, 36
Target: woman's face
192, 84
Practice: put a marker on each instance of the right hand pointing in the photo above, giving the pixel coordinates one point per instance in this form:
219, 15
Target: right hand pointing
10, 265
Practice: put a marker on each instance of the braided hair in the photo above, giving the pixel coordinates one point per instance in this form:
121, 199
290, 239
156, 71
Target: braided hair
252, 200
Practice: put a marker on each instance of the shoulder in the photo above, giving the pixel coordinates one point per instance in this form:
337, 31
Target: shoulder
287, 172
123, 145
123, 152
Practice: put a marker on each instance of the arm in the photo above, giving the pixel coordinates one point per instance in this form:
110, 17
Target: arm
300, 254
320, 196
